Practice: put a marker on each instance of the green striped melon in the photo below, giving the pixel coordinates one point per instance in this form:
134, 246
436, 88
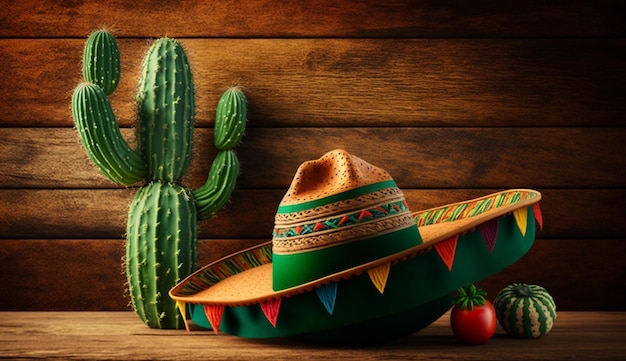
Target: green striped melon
525, 311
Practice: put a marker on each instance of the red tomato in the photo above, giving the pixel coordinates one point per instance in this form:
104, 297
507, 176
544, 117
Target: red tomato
474, 326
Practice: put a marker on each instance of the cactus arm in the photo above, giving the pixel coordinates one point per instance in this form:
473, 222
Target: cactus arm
101, 137
230, 119
230, 124
218, 188
101, 61
166, 110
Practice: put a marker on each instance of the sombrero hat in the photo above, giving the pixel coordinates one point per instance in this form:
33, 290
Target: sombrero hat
349, 261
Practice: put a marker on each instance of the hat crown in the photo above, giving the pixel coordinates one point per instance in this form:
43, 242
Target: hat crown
340, 211
335, 172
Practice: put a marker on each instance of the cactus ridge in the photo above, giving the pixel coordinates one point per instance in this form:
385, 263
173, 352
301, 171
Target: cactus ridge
101, 60
101, 137
166, 110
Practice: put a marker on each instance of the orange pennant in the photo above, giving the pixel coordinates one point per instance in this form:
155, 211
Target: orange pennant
182, 307
521, 218
271, 309
214, 315
379, 276
446, 250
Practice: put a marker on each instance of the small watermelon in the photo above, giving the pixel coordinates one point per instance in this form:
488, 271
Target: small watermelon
525, 311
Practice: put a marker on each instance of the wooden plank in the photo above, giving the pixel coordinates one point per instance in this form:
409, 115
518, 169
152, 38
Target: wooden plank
348, 82
594, 213
102, 214
88, 274
416, 157
294, 18
120, 335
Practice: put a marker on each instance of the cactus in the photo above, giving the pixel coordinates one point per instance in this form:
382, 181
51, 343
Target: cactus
161, 234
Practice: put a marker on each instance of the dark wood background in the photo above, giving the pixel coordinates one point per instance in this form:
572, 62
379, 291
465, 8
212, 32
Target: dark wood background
455, 99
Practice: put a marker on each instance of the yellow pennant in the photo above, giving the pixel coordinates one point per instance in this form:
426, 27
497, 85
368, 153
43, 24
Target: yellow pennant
521, 218
182, 307
379, 275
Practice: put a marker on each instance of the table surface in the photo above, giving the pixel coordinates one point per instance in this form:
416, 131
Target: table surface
120, 335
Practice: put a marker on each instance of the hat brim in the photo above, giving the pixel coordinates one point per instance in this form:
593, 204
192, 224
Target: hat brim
417, 278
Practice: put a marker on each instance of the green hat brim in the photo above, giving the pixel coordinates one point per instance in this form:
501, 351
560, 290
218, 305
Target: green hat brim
417, 293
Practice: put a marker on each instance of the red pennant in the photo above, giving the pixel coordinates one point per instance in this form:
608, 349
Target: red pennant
271, 309
214, 315
538, 215
489, 232
446, 250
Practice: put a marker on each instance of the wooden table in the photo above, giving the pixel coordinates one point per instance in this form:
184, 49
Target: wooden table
121, 336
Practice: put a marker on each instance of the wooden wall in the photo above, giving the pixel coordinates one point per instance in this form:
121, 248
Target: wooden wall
455, 100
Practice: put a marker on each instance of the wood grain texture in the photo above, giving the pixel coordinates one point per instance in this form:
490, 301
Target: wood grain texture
120, 335
455, 100
348, 82
88, 274
97, 214
313, 18
416, 157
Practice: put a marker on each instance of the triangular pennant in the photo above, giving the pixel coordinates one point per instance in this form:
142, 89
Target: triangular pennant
538, 215
379, 276
521, 218
328, 295
214, 315
446, 250
182, 307
489, 232
271, 309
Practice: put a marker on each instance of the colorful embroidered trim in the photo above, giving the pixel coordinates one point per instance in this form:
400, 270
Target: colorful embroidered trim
363, 201
341, 221
227, 268
336, 237
455, 212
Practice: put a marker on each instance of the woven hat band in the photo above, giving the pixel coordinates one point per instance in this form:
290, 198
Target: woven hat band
319, 263
340, 228
318, 205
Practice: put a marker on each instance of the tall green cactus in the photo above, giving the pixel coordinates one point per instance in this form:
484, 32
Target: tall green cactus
161, 246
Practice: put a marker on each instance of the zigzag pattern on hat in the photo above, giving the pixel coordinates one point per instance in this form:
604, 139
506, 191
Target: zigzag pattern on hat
341, 206
344, 220
458, 211
229, 267
369, 225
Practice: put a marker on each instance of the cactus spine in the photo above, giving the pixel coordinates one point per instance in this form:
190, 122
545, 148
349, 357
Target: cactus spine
161, 246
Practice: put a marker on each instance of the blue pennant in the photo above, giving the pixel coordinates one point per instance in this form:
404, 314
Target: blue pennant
328, 294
